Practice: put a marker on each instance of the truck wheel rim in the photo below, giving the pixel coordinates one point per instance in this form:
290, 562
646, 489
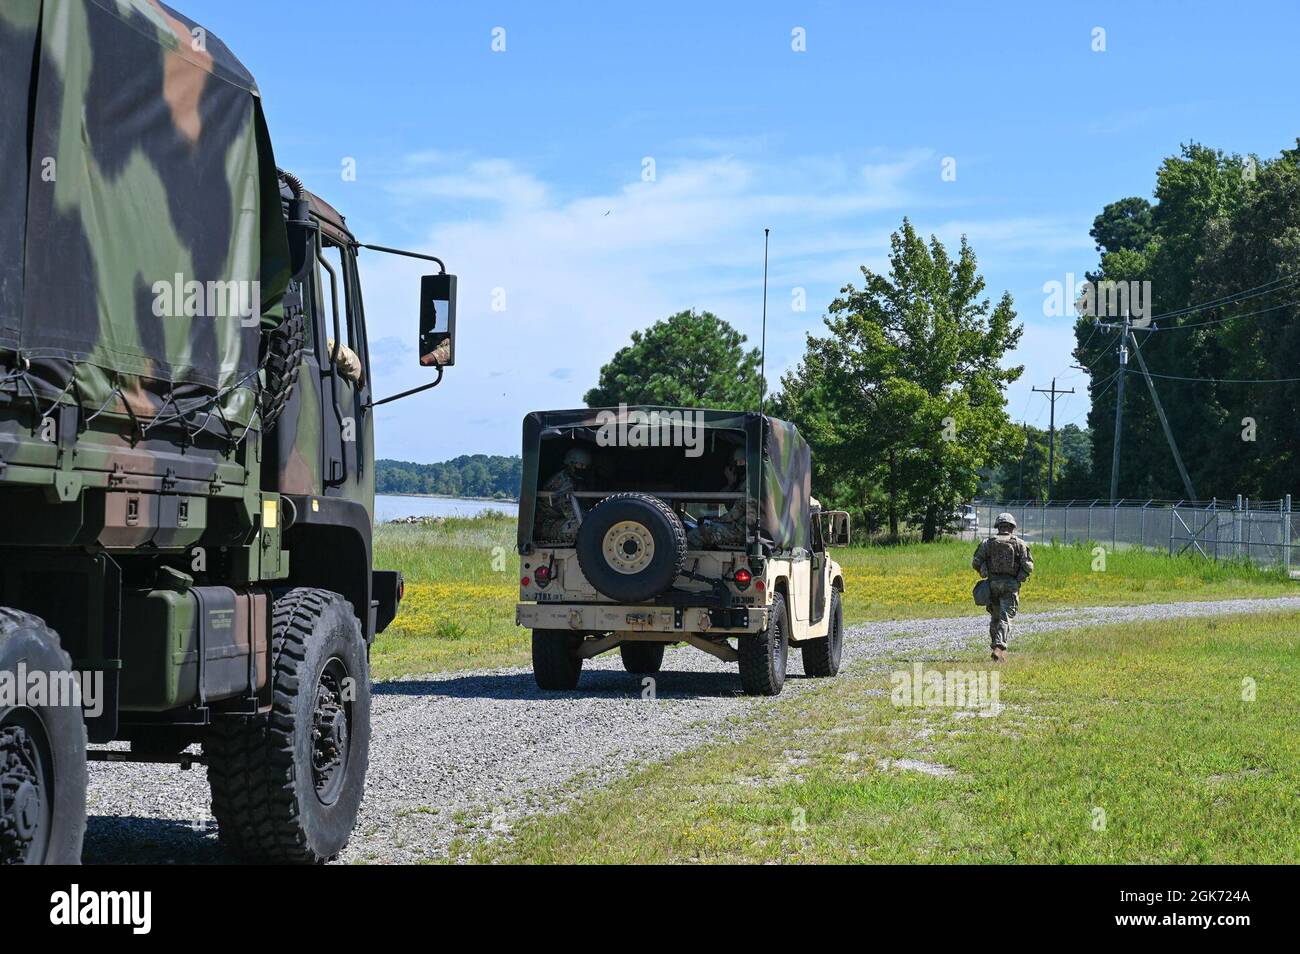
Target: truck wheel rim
331, 729
628, 547
25, 787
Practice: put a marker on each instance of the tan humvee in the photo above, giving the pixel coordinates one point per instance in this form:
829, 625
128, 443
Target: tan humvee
659, 558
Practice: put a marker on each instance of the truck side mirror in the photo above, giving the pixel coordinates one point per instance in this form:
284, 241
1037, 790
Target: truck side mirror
835, 528
438, 320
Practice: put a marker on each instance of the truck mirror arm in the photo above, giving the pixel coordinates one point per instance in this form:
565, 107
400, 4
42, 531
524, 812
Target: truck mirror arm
397, 397
398, 251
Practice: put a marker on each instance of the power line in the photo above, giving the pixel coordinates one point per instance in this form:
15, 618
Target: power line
1100, 354
1245, 294
1174, 377
1219, 321
1105, 382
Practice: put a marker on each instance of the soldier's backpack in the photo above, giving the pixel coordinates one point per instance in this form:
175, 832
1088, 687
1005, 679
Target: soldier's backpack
1001, 556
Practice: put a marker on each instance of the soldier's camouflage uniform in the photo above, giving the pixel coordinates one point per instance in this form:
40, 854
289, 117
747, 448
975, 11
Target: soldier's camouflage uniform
1004, 587
556, 519
727, 530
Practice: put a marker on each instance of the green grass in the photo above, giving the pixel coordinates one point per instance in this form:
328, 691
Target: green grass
1144, 723
931, 580
462, 585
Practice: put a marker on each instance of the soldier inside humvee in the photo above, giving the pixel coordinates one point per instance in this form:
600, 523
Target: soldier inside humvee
583, 477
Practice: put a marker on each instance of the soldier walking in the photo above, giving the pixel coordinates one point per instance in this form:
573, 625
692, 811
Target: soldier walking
1004, 560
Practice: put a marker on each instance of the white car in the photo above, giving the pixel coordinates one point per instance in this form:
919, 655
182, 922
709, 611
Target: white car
966, 519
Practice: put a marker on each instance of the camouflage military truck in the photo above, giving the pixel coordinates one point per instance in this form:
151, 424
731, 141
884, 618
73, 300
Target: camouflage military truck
644, 527
186, 441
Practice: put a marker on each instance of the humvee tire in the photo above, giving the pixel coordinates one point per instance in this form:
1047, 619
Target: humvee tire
556, 663
763, 655
286, 787
821, 657
642, 658
631, 547
42, 756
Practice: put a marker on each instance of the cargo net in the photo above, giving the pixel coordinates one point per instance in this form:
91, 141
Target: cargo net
202, 412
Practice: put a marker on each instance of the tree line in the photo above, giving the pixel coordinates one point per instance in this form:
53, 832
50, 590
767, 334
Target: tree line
473, 475
1220, 246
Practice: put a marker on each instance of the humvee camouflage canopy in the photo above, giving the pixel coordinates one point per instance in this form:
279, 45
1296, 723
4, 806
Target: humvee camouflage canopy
141, 239
779, 471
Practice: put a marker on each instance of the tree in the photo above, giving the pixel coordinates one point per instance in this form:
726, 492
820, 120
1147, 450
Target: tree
904, 400
690, 360
1221, 224
1123, 225
1023, 475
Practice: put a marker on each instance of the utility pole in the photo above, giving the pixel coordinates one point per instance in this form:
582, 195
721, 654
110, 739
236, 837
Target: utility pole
1051, 433
1119, 406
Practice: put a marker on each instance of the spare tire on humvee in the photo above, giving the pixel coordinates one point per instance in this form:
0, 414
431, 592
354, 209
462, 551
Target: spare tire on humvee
631, 547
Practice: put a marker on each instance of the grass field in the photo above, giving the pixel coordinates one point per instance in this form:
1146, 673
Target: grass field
462, 584
1142, 743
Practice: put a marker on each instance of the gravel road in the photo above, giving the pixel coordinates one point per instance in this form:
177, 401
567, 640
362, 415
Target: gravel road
468, 753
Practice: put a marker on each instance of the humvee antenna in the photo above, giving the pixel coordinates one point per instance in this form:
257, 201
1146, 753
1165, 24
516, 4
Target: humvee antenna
762, 368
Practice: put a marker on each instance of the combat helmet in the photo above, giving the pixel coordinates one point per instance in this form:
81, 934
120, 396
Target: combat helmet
577, 458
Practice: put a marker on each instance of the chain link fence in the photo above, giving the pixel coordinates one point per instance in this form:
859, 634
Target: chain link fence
1240, 529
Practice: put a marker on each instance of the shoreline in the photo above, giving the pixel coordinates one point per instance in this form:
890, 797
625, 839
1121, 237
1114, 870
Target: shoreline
509, 500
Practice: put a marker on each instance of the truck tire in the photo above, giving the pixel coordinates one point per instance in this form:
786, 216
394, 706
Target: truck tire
286, 786
763, 655
821, 657
642, 658
556, 663
282, 350
631, 547
42, 756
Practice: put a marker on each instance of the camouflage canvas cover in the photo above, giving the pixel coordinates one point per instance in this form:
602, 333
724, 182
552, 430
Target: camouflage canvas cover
18, 22
787, 487
779, 473
144, 247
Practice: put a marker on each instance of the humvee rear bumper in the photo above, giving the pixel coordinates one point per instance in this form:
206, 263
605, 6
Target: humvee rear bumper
606, 618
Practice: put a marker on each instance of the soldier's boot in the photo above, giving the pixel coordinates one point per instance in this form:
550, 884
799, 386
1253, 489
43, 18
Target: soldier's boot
999, 654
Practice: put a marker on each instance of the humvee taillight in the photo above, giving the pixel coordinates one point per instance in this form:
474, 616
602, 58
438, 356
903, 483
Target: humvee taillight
525, 581
742, 578
543, 575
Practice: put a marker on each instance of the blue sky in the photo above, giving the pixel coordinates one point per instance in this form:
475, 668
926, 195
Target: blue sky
525, 168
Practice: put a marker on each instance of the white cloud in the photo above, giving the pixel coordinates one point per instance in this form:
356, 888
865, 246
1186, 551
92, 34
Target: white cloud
579, 274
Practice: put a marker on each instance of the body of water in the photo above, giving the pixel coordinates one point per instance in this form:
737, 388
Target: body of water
392, 508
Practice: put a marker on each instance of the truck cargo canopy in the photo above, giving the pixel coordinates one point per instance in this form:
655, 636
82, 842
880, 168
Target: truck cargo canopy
144, 247
779, 471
